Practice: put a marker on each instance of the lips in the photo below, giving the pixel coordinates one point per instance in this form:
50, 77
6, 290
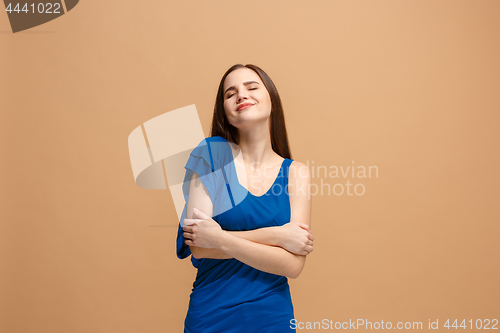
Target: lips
244, 106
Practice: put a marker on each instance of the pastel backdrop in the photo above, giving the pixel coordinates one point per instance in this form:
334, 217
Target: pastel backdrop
410, 87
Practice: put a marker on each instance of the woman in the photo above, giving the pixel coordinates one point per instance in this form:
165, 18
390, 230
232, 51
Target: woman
246, 238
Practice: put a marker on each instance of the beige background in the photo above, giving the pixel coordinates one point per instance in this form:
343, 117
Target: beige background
408, 86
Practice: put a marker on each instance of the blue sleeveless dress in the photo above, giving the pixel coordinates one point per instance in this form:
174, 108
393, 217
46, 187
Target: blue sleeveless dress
228, 295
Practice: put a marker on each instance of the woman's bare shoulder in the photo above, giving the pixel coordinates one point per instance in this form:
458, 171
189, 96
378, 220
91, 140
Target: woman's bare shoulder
299, 170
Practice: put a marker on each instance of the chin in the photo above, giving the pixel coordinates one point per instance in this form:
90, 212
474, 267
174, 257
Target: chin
250, 123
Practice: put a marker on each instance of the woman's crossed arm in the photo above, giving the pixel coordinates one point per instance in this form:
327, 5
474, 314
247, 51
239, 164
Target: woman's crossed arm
277, 250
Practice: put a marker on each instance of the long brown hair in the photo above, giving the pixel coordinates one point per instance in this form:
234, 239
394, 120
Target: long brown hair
221, 126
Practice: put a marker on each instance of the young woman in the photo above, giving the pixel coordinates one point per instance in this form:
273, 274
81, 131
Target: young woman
247, 219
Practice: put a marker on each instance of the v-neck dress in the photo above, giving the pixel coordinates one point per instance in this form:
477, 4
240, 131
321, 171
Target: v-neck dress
228, 295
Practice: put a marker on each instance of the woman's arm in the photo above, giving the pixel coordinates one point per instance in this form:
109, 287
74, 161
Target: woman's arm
276, 260
199, 198
208, 234
292, 238
268, 236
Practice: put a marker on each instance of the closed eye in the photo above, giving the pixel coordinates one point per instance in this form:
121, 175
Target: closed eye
229, 96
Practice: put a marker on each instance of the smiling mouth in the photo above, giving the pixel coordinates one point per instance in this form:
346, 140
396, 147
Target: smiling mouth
246, 106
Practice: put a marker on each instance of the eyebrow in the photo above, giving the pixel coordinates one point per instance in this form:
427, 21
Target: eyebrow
245, 83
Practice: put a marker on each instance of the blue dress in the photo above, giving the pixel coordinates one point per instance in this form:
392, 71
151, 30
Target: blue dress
228, 295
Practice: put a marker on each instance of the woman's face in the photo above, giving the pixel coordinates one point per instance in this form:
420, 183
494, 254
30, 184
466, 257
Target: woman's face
246, 99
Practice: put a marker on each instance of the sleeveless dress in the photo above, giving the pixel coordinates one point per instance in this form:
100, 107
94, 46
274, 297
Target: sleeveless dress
228, 295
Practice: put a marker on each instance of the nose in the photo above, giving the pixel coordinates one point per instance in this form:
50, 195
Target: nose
241, 95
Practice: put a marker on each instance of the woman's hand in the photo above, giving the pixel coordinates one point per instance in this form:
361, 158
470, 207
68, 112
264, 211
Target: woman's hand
202, 231
296, 238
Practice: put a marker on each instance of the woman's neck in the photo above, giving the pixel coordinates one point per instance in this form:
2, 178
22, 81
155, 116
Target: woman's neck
255, 145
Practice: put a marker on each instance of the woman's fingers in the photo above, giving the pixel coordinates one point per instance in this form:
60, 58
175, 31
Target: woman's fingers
187, 228
307, 251
304, 226
308, 247
191, 221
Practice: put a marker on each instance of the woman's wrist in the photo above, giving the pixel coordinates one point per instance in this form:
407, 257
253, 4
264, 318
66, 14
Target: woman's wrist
221, 240
267, 235
277, 236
